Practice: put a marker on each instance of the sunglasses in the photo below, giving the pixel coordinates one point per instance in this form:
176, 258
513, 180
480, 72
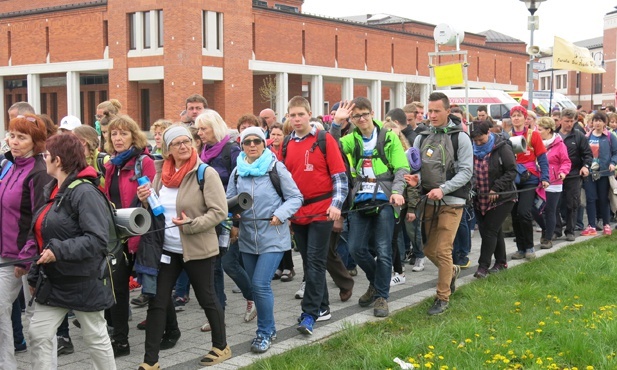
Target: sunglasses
248, 142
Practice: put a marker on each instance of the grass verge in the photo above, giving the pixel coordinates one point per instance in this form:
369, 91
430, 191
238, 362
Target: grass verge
557, 312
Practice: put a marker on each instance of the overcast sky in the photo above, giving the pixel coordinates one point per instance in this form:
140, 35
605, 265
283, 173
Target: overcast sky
573, 20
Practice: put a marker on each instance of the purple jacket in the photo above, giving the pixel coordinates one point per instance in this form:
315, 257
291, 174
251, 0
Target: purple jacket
558, 160
21, 195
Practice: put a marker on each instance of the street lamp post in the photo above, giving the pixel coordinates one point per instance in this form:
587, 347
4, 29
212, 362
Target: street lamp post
532, 6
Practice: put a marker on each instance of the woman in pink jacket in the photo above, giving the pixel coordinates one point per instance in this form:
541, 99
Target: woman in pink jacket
558, 167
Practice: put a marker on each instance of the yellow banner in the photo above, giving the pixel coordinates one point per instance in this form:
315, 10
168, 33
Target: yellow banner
570, 57
449, 75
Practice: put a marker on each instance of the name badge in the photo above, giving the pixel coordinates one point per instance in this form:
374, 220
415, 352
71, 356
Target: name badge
165, 259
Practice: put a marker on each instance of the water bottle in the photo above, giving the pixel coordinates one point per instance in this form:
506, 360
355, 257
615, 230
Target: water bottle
153, 200
225, 231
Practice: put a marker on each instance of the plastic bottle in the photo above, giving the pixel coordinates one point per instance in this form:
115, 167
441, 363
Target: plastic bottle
153, 199
225, 233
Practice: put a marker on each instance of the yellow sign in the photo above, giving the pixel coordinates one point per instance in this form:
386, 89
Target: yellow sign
570, 57
449, 75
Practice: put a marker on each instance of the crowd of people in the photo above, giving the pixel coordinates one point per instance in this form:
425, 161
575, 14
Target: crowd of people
346, 190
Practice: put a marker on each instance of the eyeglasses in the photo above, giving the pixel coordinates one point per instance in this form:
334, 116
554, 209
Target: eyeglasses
363, 116
255, 142
186, 143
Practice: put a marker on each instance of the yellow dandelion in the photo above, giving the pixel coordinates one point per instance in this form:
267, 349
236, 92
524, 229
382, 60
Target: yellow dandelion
479, 317
517, 303
541, 323
467, 340
431, 347
589, 367
440, 357
428, 365
539, 361
477, 335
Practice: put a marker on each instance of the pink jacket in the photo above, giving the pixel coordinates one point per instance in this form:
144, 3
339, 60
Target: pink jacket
558, 160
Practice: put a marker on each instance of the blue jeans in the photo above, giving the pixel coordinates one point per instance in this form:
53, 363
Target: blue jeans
18, 334
313, 243
462, 241
342, 248
597, 191
183, 286
415, 234
237, 273
379, 230
219, 277
548, 219
260, 268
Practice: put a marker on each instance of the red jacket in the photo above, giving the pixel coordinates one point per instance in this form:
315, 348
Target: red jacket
558, 160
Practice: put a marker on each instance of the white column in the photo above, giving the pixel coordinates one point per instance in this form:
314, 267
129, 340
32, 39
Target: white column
424, 93
317, 95
2, 108
138, 29
34, 92
282, 95
347, 89
72, 94
374, 95
400, 96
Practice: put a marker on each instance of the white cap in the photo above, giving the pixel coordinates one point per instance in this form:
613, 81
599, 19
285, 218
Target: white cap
70, 123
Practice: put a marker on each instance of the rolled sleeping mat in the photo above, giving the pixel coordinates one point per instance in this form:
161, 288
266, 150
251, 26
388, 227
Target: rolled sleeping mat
239, 203
519, 144
132, 221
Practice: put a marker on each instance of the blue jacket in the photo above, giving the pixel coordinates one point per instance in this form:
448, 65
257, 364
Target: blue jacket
258, 237
608, 152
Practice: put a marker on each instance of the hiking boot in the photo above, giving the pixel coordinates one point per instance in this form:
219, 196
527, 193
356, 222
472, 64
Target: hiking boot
65, 346
418, 265
607, 230
518, 255
457, 271
300, 292
306, 324
530, 254
260, 344
438, 307
170, 339
497, 267
140, 301
548, 244
397, 279
570, 237
481, 273
381, 307
589, 231
120, 349
367, 298
251, 311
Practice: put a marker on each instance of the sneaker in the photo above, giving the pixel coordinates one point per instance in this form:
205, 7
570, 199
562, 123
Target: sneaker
133, 284
367, 298
412, 260
397, 279
141, 325
170, 339
120, 349
607, 230
260, 344
140, 301
497, 267
300, 292
179, 303
71, 315
235, 289
65, 346
306, 324
419, 265
353, 271
438, 307
457, 271
530, 254
288, 275
548, 244
518, 255
570, 237
589, 231
251, 311
21, 347
464, 265
381, 308
481, 273
324, 315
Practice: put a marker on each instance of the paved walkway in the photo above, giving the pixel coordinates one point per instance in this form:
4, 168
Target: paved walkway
194, 344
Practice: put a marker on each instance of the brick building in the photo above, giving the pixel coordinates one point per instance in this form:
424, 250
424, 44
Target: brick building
65, 57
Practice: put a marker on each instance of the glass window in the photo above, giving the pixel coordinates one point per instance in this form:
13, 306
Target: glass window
160, 27
146, 30
132, 31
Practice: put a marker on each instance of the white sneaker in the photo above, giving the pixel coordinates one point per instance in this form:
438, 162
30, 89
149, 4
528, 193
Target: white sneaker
251, 311
397, 279
419, 265
300, 292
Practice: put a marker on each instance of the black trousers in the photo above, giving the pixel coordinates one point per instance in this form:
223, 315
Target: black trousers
491, 232
161, 313
119, 313
569, 203
522, 220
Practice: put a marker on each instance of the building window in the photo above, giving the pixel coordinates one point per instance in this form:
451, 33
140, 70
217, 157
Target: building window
564, 82
260, 3
287, 8
558, 82
212, 33
146, 33
597, 83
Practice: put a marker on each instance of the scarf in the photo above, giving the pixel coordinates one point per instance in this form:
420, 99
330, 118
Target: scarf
121, 158
550, 141
209, 153
481, 151
172, 178
258, 168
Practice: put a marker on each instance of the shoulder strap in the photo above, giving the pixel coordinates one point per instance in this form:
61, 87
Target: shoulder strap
381, 144
6, 166
139, 166
226, 155
200, 175
285, 143
276, 181
321, 141
454, 140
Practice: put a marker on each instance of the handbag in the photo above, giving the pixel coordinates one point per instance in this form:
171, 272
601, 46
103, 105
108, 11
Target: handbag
522, 174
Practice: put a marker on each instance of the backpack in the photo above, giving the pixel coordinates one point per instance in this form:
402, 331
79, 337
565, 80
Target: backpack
5, 166
226, 154
439, 151
274, 179
320, 142
200, 175
379, 146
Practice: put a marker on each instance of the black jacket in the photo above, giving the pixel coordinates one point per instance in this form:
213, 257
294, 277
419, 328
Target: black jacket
76, 230
578, 151
409, 134
502, 170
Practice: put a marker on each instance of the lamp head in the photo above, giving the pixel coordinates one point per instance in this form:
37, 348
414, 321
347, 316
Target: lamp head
532, 5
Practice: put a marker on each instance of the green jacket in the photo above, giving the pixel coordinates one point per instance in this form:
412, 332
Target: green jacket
389, 177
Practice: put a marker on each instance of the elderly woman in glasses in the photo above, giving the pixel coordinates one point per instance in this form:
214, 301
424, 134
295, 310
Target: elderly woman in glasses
21, 191
265, 237
192, 245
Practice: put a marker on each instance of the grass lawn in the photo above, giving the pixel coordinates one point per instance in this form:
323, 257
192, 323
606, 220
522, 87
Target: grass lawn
557, 312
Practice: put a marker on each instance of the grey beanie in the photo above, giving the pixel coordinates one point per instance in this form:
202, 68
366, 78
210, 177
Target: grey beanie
255, 131
173, 132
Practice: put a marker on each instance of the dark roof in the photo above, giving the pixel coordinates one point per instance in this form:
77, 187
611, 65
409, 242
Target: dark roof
494, 36
593, 43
